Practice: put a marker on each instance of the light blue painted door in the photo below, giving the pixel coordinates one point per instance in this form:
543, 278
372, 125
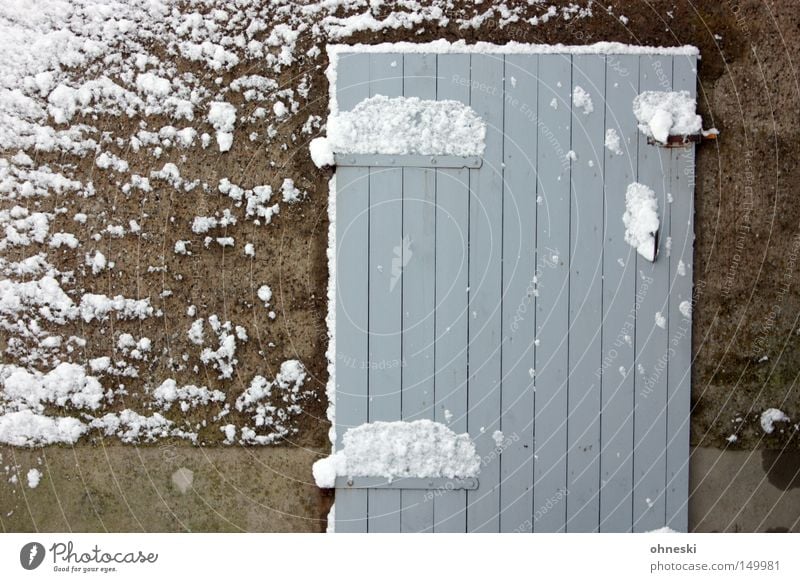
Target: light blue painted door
504, 298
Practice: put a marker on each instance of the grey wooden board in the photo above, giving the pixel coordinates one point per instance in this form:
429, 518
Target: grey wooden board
388, 161
450, 350
515, 268
585, 298
485, 289
616, 370
352, 285
519, 270
552, 303
385, 291
650, 411
431, 487
680, 327
419, 289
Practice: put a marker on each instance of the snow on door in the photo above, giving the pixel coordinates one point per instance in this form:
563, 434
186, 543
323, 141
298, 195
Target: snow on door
498, 295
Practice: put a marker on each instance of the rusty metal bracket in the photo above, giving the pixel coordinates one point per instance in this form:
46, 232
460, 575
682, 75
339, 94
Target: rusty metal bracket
682, 141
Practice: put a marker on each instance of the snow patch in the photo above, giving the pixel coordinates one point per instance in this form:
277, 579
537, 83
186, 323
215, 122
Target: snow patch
407, 125
582, 99
222, 116
641, 219
612, 142
34, 476
769, 417
421, 448
664, 113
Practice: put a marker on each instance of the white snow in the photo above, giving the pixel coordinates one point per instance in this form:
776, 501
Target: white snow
279, 109
421, 448
26, 428
498, 437
190, 396
224, 357
612, 142
321, 152
685, 307
222, 116
66, 384
195, 332
34, 476
97, 262
291, 193
407, 125
265, 294
582, 99
259, 400
769, 417
461, 46
641, 219
664, 113
661, 321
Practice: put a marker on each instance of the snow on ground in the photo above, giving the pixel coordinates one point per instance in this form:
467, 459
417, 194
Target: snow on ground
34, 476
421, 448
641, 219
769, 417
140, 90
664, 113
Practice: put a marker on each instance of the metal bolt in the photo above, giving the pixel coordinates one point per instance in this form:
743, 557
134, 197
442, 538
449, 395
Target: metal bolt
349, 482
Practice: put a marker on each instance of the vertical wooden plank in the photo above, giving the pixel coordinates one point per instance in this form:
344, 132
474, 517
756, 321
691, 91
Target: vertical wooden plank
352, 237
419, 293
649, 456
452, 238
519, 270
680, 325
552, 304
485, 282
616, 371
385, 292
585, 293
